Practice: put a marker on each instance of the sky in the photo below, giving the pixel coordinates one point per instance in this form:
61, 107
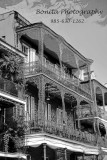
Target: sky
89, 37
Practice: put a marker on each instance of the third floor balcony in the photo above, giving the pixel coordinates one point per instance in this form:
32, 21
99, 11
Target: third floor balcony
50, 54
58, 74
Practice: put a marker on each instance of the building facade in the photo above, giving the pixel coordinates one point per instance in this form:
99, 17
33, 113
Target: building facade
99, 92
59, 109
12, 103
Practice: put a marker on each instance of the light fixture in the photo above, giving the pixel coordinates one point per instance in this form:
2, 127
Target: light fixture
64, 122
48, 96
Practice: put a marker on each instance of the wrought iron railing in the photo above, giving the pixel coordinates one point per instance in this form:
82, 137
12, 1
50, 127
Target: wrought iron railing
102, 113
11, 88
58, 74
102, 141
63, 130
12, 129
69, 133
60, 130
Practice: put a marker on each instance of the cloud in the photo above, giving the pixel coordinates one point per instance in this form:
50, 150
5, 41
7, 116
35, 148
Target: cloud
95, 19
88, 38
100, 5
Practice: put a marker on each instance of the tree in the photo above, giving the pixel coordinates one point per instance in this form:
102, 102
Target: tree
11, 68
12, 137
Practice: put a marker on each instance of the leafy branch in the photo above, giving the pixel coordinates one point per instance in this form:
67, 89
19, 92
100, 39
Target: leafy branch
11, 68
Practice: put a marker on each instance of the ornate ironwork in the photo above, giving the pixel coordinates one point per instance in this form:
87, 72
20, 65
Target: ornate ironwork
47, 69
64, 131
12, 129
11, 88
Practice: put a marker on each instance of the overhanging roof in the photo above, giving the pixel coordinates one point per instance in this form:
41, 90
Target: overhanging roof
13, 155
42, 25
36, 140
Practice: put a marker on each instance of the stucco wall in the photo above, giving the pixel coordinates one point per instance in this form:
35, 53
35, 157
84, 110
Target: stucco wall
7, 27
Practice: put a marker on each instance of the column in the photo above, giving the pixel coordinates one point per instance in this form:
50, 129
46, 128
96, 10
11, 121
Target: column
90, 85
60, 58
95, 130
78, 111
83, 156
44, 151
41, 46
41, 112
63, 105
61, 154
77, 63
103, 101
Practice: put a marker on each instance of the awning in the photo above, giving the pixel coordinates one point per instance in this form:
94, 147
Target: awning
13, 155
54, 143
103, 151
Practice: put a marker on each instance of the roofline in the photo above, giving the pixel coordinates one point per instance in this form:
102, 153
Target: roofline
11, 48
23, 18
99, 83
42, 25
90, 60
15, 12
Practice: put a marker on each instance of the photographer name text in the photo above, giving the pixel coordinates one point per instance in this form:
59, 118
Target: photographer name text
69, 12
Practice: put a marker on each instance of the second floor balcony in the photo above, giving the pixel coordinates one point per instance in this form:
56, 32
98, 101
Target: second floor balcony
62, 130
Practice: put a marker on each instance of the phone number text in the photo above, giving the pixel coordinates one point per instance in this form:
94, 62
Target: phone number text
68, 20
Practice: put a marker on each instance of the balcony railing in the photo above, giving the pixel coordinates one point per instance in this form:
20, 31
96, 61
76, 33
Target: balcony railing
102, 141
60, 130
64, 132
11, 88
102, 113
58, 74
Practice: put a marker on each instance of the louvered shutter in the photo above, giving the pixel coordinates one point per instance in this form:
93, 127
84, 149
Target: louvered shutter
28, 105
46, 118
66, 118
61, 119
32, 108
27, 108
8, 115
57, 113
49, 112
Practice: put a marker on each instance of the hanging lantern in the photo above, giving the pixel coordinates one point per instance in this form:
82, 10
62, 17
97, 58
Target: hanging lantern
48, 96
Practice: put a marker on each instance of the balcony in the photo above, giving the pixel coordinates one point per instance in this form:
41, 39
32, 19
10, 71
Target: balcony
11, 88
57, 74
61, 130
102, 142
12, 128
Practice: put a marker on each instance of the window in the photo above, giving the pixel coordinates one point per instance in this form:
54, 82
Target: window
84, 74
61, 118
25, 49
31, 54
30, 107
31, 58
48, 112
